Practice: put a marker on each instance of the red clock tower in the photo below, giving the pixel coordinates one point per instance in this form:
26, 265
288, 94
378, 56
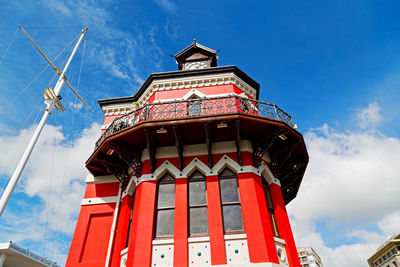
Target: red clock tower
193, 170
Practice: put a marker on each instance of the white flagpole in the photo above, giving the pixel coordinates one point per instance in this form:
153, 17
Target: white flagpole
21, 165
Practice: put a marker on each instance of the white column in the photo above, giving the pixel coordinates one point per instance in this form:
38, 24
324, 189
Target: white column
3, 258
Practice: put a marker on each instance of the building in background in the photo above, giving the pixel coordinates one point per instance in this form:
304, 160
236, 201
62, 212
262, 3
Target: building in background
193, 170
387, 255
12, 255
308, 257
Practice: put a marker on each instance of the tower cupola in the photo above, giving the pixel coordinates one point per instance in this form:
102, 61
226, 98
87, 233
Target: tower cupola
196, 56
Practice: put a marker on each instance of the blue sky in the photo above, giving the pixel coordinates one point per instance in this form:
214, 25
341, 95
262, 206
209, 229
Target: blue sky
333, 65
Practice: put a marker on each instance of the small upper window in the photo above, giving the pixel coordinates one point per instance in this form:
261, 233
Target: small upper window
198, 219
230, 202
165, 212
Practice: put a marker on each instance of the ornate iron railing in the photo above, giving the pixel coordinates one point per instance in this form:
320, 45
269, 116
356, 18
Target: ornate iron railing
206, 106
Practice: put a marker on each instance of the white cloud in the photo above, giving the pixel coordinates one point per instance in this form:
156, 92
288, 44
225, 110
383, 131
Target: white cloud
351, 183
390, 224
369, 116
60, 7
55, 176
75, 106
128, 55
107, 57
168, 5
172, 29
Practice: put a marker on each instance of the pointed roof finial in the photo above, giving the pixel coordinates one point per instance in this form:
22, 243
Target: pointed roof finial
194, 42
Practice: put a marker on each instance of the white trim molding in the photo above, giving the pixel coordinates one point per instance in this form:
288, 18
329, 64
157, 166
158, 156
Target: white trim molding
117, 109
197, 164
199, 95
197, 81
267, 174
182, 83
99, 200
104, 179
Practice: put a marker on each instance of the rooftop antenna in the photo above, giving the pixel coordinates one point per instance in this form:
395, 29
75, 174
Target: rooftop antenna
51, 99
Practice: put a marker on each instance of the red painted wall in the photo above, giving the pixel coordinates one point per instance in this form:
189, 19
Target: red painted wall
141, 235
207, 90
181, 255
282, 220
90, 241
122, 230
102, 190
215, 226
260, 239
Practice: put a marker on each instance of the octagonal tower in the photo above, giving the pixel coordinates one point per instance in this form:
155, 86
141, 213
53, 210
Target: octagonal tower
193, 170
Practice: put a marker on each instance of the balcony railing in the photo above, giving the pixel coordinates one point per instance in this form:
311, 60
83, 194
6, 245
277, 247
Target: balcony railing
177, 109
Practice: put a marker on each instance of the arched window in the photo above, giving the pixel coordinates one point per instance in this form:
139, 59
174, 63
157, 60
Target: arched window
198, 219
230, 201
165, 206
270, 206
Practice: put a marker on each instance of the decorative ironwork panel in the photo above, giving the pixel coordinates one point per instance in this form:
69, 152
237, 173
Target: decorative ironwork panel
206, 106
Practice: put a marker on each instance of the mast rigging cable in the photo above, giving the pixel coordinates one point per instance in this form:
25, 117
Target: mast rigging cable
37, 76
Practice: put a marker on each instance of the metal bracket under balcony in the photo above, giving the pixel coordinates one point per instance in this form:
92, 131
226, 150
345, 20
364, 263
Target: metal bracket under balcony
118, 159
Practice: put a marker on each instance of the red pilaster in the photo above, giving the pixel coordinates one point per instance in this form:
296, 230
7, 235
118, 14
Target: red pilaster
282, 220
141, 234
122, 232
215, 226
181, 257
260, 239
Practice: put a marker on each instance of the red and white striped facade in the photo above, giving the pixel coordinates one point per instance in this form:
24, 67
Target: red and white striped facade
117, 222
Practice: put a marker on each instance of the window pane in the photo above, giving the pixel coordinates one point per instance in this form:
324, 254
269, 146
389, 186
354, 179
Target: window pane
227, 172
165, 223
229, 192
232, 218
198, 220
267, 194
197, 193
273, 223
167, 178
166, 195
197, 175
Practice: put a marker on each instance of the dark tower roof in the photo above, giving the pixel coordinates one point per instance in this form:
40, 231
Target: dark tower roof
196, 52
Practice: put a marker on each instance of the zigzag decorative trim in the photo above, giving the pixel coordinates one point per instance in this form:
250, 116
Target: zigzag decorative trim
197, 164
